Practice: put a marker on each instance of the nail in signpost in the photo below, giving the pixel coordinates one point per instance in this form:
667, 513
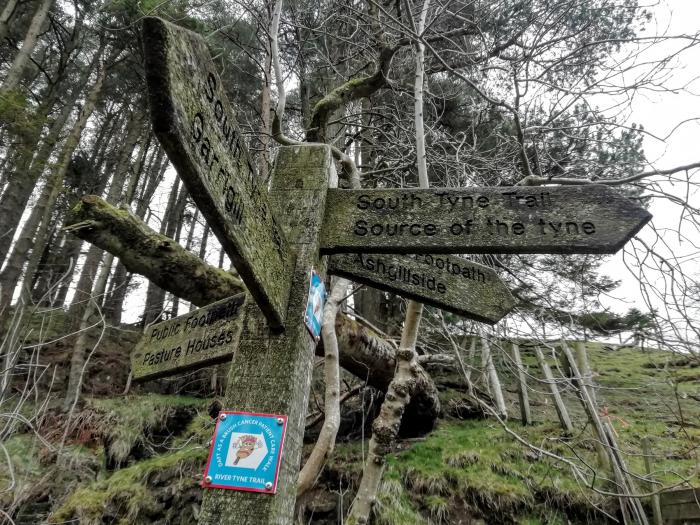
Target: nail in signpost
444, 281
195, 124
277, 254
561, 219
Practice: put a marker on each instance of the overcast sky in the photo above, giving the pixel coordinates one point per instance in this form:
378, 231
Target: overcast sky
660, 113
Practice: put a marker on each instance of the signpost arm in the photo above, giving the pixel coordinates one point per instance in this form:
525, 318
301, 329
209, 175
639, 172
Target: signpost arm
270, 373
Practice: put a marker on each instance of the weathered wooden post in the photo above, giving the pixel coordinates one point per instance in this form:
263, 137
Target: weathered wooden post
655, 500
271, 372
559, 405
523, 397
492, 379
585, 367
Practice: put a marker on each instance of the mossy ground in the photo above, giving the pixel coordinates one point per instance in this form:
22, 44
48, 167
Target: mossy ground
467, 469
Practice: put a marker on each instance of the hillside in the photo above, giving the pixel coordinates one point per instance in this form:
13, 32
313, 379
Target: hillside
138, 458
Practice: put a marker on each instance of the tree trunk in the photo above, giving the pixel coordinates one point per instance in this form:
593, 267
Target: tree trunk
73, 245
265, 115
331, 422
386, 427
113, 301
84, 286
405, 381
77, 361
14, 74
122, 277
155, 295
28, 167
10, 275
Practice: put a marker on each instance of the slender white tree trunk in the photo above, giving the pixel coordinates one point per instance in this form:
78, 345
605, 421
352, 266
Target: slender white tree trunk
386, 426
326, 439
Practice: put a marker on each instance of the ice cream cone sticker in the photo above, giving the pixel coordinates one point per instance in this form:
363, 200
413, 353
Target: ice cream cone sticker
246, 446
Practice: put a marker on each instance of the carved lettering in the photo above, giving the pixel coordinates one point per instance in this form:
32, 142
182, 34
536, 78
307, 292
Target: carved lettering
400, 272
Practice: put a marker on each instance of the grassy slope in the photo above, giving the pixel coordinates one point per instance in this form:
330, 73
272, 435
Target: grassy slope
463, 468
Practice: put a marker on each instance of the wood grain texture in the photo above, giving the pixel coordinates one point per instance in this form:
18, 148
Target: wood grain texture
556, 219
463, 287
681, 496
200, 338
196, 126
271, 372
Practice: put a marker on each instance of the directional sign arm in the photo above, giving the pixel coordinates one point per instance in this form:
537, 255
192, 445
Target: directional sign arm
558, 219
196, 126
463, 287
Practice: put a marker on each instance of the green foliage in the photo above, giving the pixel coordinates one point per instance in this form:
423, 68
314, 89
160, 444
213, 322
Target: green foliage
128, 421
16, 110
130, 489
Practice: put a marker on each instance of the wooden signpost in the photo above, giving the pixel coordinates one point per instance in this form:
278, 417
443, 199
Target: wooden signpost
200, 338
561, 219
275, 239
195, 123
453, 284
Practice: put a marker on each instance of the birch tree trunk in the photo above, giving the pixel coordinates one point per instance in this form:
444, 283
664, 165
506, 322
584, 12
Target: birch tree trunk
326, 439
21, 60
386, 427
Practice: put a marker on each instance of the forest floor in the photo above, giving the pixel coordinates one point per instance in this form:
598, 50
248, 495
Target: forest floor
139, 458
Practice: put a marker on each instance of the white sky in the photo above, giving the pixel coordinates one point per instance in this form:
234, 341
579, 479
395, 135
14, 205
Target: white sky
660, 113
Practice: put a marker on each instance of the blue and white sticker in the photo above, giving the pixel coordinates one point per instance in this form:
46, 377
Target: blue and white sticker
245, 452
314, 305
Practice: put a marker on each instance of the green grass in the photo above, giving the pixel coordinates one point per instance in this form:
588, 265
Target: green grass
463, 468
